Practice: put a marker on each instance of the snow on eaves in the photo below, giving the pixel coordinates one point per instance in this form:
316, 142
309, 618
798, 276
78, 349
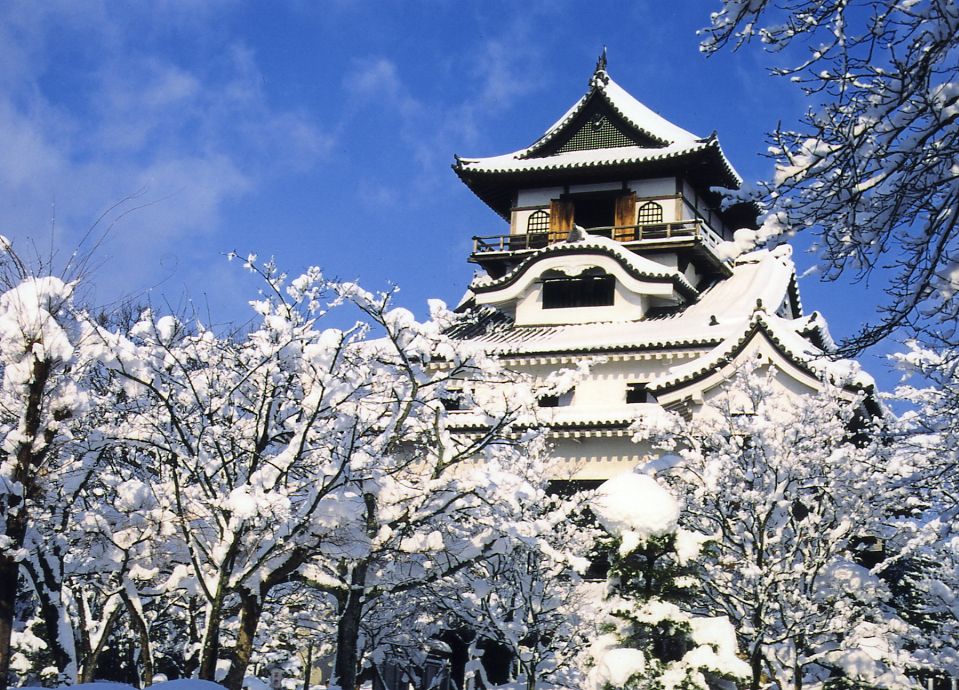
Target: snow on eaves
622, 155
787, 335
635, 264
626, 106
722, 312
641, 116
676, 141
563, 419
713, 330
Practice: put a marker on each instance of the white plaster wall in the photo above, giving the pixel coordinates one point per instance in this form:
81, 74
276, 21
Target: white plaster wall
627, 306
595, 187
597, 458
538, 197
630, 299
603, 390
660, 186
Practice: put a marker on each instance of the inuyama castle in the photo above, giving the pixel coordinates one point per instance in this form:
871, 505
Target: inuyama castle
616, 245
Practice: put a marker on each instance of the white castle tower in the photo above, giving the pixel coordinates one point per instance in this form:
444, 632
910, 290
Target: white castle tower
617, 246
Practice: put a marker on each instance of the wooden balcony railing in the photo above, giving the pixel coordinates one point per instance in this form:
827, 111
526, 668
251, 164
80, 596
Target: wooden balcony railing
627, 234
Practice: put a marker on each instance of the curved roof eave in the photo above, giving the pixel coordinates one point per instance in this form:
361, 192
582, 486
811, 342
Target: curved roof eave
590, 246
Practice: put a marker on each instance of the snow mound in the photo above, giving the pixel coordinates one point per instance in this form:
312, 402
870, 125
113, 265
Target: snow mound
635, 508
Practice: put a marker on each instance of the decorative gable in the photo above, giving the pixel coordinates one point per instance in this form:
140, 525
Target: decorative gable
598, 126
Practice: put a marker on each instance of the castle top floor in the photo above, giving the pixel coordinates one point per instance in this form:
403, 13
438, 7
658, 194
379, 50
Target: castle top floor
615, 168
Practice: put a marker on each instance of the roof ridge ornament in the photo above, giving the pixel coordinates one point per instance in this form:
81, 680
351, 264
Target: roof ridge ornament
599, 74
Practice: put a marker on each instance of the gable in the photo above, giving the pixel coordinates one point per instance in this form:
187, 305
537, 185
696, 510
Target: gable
596, 126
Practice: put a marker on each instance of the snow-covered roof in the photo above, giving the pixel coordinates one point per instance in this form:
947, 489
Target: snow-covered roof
636, 265
666, 140
722, 312
622, 155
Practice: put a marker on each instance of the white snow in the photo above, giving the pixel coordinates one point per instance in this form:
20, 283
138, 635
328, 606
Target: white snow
616, 666
717, 648
635, 508
179, 684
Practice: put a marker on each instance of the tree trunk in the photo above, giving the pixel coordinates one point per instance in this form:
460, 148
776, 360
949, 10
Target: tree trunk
348, 630
755, 667
15, 510
143, 638
251, 607
9, 571
211, 638
48, 585
91, 656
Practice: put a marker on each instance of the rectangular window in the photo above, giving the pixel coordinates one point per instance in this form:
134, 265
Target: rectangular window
636, 393
561, 400
452, 403
588, 291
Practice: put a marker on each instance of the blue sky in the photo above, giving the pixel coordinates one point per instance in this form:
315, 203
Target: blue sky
323, 132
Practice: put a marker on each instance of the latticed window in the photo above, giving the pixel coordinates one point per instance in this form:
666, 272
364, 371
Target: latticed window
538, 222
598, 133
650, 213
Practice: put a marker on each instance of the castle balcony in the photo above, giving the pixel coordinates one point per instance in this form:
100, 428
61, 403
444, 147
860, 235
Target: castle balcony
494, 250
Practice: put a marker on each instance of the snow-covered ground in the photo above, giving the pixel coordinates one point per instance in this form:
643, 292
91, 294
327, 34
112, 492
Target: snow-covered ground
181, 684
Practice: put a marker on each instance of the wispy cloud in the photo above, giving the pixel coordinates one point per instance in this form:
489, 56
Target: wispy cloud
126, 120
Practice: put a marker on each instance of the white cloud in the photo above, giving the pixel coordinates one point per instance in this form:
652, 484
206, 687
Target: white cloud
125, 119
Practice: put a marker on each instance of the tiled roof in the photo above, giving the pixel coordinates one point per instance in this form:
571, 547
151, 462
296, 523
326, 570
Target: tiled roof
636, 265
673, 141
723, 311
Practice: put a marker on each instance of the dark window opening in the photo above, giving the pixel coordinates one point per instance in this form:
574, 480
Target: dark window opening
638, 393
452, 403
558, 400
594, 211
584, 291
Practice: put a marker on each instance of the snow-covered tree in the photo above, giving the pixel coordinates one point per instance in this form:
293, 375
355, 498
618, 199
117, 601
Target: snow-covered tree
651, 638
926, 537
296, 453
791, 489
45, 359
532, 600
871, 168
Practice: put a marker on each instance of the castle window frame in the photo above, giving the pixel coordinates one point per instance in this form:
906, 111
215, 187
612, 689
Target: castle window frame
538, 222
637, 392
564, 399
649, 213
573, 292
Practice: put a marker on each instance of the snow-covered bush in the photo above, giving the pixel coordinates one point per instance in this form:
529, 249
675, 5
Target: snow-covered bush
650, 638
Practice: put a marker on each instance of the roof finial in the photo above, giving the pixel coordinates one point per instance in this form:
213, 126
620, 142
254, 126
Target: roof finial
599, 74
